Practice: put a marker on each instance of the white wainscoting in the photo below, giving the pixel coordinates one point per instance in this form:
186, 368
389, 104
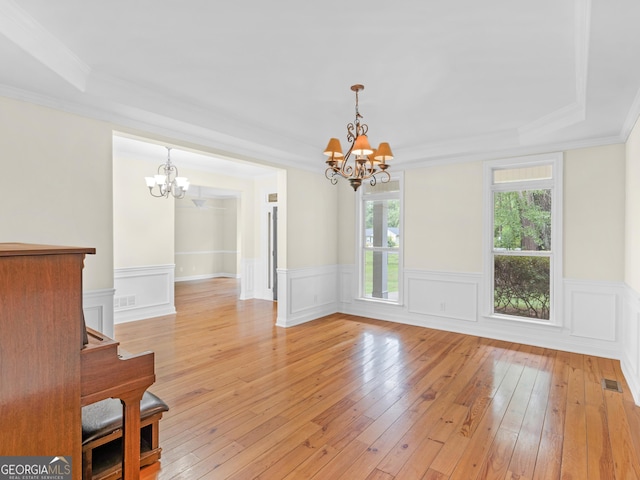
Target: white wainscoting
630, 361
590, 321
143, 292
442, 300
98, 310
306, 294
443, 295
248, 268
593, 309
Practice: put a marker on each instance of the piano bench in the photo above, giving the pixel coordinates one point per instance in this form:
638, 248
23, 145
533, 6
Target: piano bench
102, 436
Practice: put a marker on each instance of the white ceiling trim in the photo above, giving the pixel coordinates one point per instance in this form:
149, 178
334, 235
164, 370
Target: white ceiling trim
632, 117
23, 30
576, 111
155, 124
434, 154
498, 153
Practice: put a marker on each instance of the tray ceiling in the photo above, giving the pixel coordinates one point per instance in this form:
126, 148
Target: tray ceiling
270, 80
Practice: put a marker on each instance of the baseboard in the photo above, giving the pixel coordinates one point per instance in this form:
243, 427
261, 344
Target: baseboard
206, 277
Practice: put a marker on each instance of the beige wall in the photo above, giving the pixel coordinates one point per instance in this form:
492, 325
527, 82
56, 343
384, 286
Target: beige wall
143, 226
57, 183
63, 195
443, 212
443, 218
311, 217
205, 237
347, 228
247, 215
632, 212
594, 197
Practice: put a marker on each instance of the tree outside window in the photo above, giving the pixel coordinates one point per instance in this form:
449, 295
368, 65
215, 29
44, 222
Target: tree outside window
522, 223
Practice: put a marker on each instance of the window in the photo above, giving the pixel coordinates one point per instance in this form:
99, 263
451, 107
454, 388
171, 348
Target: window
381, 239
524, 236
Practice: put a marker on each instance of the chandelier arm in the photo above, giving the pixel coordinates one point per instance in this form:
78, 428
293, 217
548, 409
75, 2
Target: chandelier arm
330, 176
153, 194
351, 137
346, 170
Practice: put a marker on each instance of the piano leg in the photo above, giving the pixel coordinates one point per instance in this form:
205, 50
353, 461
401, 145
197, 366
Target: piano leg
131, 435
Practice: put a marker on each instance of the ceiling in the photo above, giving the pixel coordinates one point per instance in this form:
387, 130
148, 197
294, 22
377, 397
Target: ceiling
270, 80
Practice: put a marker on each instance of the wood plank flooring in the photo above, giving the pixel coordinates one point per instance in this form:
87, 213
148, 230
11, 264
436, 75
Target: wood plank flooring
350, 398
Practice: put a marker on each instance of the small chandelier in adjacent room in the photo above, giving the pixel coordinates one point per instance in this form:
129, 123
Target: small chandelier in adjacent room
368, 162
167, 182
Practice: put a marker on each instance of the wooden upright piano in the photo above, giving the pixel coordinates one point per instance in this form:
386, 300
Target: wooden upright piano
46, 372
107, 374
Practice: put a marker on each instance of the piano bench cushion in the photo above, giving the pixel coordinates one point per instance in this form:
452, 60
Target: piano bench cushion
103, 417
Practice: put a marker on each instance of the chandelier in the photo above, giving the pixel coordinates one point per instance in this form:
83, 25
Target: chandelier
368, 162
167, 181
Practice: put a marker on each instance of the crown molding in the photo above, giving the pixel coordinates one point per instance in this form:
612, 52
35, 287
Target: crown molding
485, 147
132, 120
25, 31
520, 151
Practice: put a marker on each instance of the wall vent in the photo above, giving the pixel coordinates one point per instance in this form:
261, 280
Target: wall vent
124, 302
612, 385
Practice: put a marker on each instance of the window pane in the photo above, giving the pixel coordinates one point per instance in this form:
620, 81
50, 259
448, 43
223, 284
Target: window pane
521, 286
538, 172
381, 274
382, 222
522, 220
380, 187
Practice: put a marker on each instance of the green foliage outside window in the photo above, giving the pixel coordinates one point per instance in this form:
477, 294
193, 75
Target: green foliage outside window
522, 222
392, 273
521, 286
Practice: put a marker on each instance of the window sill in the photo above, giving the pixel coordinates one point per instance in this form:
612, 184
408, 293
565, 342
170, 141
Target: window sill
522, 320
381, 301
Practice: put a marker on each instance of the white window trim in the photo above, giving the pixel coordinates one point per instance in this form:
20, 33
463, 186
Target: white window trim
399, 177
556, 185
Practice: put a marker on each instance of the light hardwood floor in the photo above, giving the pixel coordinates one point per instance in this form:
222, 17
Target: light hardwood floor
346, 397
